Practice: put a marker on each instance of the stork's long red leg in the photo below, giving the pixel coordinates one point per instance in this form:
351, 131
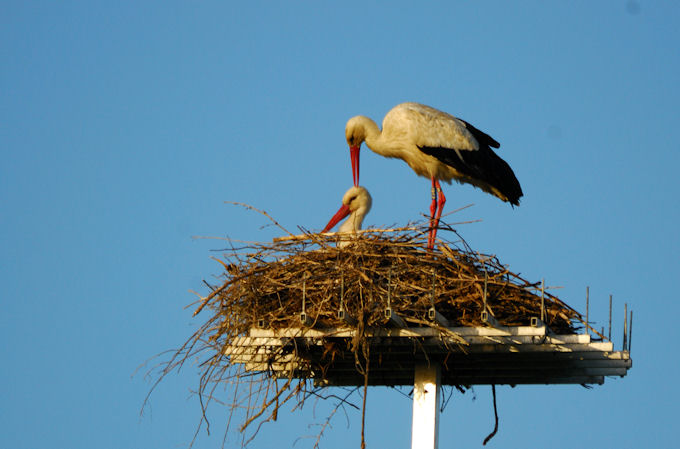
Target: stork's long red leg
440, 207
433, 212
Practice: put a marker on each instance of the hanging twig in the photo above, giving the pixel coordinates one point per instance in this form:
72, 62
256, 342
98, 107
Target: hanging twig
495, 414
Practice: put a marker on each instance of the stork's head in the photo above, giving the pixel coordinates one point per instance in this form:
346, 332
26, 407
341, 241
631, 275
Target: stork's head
356, 201
355, 130
355, 133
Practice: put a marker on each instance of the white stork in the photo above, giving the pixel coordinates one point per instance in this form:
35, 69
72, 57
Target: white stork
356, 203
438, 146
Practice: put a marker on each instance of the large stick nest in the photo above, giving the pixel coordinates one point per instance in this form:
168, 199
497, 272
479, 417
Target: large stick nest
272, 283
269, 284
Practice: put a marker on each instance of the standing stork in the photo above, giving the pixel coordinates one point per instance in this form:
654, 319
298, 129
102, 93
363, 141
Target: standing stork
438, 146
356, 203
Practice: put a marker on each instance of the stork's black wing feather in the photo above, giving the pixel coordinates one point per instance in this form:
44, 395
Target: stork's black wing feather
482, 137
481, 165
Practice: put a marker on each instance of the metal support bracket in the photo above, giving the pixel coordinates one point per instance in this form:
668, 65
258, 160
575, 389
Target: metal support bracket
346, 317
437, 317
536, 322
487, 318
305, 320
394, 319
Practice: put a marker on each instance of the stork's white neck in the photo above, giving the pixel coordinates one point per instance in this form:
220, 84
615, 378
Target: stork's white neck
354, 221
350, 227
376, 140
371, 131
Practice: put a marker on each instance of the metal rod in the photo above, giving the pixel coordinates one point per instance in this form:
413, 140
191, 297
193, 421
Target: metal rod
485, 280
543, 300
587, 306
432, 292
610, 318
432, 313
389, 283
342, 313
342, 290
304, 318
630, 331
625, 326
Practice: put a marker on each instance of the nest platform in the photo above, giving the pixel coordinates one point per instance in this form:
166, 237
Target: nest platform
467, 355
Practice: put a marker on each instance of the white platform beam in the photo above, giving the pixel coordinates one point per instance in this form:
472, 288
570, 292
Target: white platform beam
469, 355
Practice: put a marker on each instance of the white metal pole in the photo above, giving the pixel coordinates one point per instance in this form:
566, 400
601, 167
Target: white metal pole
426, 386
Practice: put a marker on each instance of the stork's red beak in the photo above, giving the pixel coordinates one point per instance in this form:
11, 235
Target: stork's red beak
339, 215
354, 155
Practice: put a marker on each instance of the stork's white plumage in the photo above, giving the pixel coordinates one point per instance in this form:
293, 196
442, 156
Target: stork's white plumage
438, 146
356, 203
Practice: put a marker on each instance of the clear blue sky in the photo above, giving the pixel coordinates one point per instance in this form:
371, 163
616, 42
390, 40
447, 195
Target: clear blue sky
124, 126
